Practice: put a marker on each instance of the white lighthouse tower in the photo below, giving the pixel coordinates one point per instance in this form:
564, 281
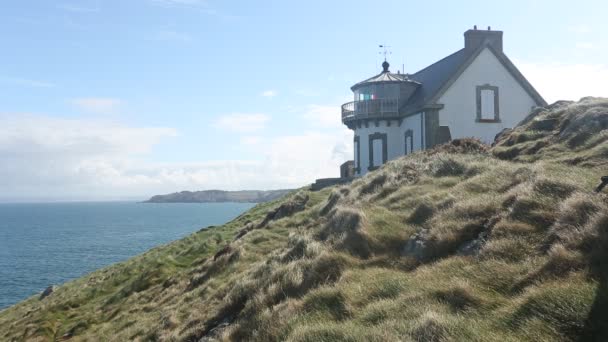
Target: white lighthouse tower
381, 133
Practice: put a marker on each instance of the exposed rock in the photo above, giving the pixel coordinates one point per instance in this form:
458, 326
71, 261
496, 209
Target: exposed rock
602, 184
503, 133
474, 246
416, 246
49, 290
67, 336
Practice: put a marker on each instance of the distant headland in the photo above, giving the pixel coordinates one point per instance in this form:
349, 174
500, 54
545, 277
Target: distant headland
217, 196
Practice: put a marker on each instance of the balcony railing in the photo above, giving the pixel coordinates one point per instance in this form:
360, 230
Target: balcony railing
370, 109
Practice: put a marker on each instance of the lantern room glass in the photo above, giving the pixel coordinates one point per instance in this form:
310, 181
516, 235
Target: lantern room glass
377, 91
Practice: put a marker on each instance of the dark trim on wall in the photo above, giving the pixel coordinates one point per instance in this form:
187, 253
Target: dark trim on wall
443, 135
494, 89
409, 134
431, 125
357, 143
422, 130
383, 138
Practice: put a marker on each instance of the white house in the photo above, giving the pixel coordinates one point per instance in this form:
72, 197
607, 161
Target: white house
474, 92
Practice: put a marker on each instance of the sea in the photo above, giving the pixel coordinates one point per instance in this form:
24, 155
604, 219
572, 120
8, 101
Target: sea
46, 244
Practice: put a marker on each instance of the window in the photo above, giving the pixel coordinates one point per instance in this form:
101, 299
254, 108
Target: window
377, 150
487, 104
377, 91
357, 155
409, 141
377, 153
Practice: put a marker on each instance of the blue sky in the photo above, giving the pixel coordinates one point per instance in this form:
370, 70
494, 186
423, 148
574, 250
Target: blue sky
129, 98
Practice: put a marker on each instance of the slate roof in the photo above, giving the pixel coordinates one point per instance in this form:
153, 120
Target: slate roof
433, 77
437, 77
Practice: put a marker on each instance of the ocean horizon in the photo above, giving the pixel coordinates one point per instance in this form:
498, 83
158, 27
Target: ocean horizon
50, 243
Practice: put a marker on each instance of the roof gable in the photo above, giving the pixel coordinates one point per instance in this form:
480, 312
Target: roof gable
438, 77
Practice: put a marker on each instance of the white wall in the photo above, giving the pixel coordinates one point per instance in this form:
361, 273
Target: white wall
395, 138
460, 102
416, 124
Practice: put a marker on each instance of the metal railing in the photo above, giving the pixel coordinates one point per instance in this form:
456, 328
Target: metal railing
370, 109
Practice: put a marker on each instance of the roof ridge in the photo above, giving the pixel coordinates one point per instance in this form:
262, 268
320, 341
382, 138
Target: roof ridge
437, 62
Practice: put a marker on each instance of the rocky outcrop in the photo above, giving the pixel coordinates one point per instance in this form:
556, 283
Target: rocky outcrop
47, 292
416, 246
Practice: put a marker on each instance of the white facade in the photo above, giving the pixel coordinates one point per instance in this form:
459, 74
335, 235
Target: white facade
460, 100
475, 92
409, 134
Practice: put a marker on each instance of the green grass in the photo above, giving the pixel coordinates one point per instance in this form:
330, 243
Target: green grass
512, 247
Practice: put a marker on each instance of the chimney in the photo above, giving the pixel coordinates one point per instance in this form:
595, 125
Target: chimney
474, 38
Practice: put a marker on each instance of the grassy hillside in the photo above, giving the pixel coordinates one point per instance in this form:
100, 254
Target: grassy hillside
460, 243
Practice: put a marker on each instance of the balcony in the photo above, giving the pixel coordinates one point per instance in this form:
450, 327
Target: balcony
370, 109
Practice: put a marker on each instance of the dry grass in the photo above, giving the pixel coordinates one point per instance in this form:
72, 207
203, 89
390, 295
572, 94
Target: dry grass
502, 251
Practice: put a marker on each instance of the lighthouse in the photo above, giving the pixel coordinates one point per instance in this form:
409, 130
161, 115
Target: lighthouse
374, 116
474, 92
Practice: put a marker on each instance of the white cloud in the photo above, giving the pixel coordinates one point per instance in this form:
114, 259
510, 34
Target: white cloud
580, 29
270, 93
99, 105
26, 133
306, 157
561, 81
324, 116
51, 158
242, 122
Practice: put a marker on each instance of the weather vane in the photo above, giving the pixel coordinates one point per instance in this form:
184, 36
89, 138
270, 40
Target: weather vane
385, 50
